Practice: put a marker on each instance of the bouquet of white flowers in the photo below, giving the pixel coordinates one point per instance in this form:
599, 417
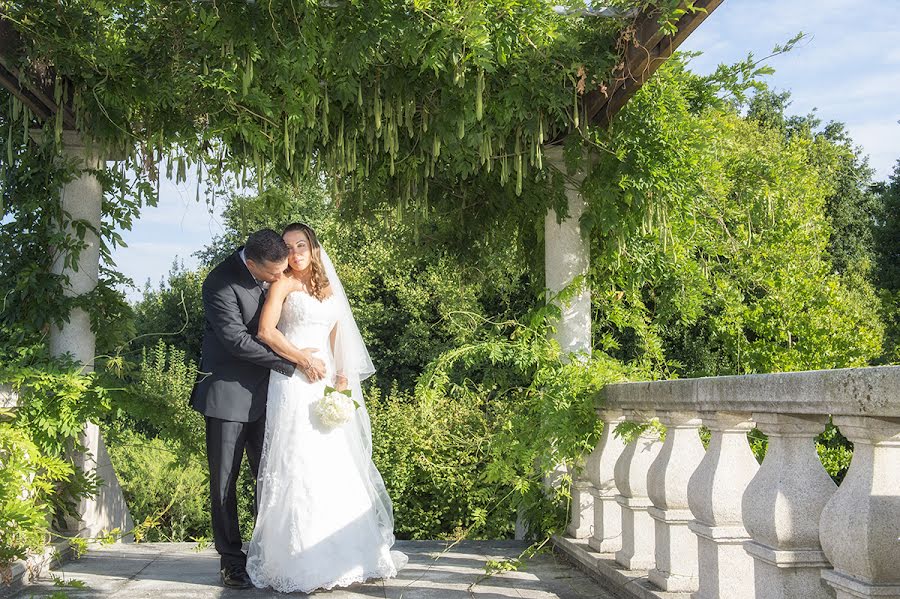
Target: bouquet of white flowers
335, 408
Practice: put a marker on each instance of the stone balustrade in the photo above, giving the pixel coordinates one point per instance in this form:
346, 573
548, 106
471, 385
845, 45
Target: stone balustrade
672, 519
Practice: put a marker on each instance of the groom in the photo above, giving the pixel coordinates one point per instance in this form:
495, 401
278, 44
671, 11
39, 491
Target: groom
234, 379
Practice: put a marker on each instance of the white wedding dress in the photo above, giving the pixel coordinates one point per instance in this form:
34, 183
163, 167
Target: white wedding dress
324, 519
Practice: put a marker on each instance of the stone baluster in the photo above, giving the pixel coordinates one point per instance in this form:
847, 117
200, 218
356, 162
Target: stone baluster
601, 470
667, 486
860, 525
581, 516
638, 547
782, 506
714, 496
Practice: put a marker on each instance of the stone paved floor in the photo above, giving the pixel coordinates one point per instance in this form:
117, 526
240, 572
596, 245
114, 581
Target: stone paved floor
177, 571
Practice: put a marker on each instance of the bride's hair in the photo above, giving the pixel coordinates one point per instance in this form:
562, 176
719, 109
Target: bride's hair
319, 281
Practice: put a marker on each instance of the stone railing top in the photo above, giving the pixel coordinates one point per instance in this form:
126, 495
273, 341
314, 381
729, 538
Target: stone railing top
849, 392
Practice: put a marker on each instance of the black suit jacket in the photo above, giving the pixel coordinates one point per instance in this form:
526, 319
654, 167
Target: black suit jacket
234, 365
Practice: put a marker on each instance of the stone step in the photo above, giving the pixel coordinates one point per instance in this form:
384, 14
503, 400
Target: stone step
602, 567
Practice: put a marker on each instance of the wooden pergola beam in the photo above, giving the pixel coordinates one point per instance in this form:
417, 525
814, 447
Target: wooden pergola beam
647, 49
35, 89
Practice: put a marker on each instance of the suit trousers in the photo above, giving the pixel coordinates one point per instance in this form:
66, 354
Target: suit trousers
226, 442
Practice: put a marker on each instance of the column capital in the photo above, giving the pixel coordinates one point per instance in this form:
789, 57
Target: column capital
73, 142
870, 429
790, 425
611, 415
727, 421
679, 418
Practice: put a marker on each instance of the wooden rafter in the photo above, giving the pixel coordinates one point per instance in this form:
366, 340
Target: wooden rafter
647, 49
35, 89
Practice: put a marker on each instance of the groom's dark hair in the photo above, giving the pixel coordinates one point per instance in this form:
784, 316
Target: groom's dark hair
265, 246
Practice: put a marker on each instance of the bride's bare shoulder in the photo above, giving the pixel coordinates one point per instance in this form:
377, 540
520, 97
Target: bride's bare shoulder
283, 286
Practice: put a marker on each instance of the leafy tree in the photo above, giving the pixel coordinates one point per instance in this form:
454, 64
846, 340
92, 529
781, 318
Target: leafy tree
735, 275
887, 233
172, 312
852, 206
416, 288
887, 268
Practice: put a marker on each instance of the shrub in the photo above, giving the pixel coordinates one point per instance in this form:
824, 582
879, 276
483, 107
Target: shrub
162, 488
432, 453
156, 402
27, 480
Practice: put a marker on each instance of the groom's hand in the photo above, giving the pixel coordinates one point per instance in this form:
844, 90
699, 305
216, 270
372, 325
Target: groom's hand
312, 367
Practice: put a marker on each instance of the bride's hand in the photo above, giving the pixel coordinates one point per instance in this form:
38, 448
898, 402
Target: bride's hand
314, 368
340, 382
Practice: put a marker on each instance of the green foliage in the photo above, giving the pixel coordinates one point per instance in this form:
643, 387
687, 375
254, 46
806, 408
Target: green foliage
835, 452
432, 452
156, 402
887, 264
41, 482
37, 238
734, 275
164, 489
173, 311
365, 92
27, 481
888, 233
488, 422
541, 407
852, 206
56, 399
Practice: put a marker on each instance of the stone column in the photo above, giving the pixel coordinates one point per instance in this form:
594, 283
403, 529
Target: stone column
566, 257
638, 536
860, 525
714, 496
581, 518
607, 534
82, 198
667, 486
782, 506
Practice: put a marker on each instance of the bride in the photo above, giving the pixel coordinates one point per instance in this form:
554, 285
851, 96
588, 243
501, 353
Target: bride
324, 518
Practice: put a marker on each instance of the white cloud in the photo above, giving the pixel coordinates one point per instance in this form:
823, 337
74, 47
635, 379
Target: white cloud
881, 141
892, 55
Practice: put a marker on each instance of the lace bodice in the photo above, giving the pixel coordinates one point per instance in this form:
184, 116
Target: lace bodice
307, 322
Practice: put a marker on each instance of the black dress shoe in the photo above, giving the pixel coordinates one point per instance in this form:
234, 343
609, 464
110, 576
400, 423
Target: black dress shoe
236, 577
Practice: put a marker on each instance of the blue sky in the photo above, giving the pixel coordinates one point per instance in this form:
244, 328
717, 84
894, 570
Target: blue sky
848, 69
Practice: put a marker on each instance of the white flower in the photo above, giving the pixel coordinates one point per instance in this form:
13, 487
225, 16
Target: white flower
335, 409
